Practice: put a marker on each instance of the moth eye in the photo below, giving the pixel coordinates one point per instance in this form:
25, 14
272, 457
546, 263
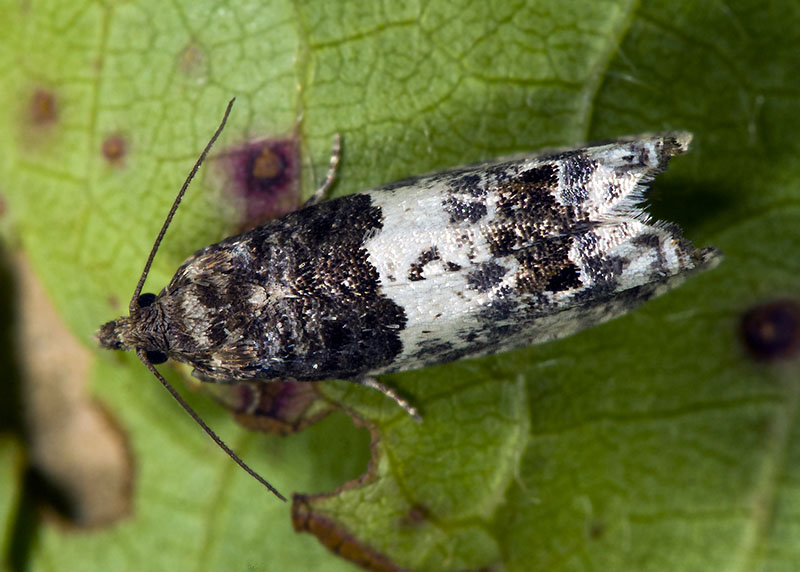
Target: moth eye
146, 300
155, 357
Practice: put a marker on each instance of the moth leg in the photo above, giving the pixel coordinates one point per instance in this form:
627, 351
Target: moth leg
391, 394
320, 194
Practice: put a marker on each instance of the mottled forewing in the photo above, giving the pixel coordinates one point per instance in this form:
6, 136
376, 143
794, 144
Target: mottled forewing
511, 253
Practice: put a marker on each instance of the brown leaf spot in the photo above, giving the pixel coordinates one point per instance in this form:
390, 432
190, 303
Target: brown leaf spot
113, 302
43, 107
263, 179
114, 148
771, 331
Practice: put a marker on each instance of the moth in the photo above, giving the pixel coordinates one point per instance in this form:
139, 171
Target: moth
456, 264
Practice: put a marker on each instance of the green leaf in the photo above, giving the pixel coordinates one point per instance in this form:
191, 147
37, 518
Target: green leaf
652, 442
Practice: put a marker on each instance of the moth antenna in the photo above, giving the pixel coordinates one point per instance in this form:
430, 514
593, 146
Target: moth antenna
210, 432
132, 306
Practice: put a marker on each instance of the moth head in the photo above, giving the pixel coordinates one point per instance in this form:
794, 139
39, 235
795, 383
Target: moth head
130, 332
